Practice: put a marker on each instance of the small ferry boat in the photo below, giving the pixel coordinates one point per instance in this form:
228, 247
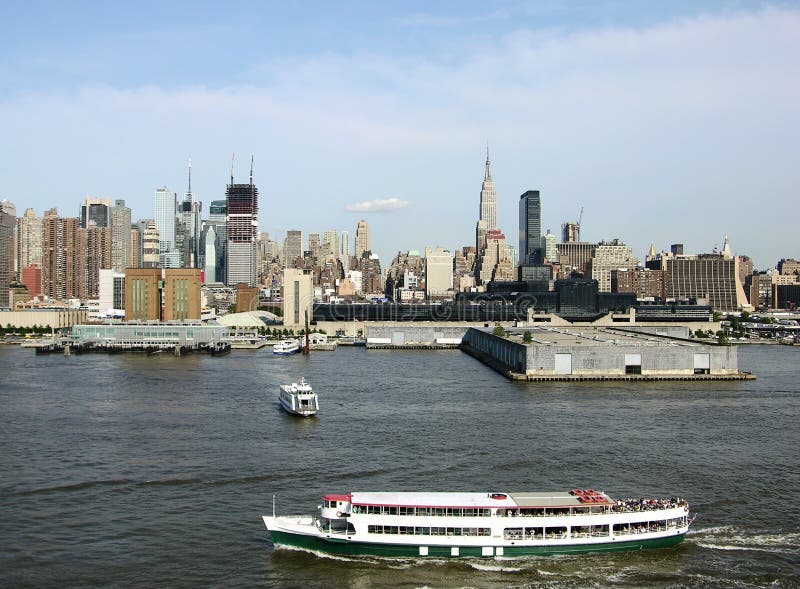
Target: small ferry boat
299, 398
286, 347
415, 524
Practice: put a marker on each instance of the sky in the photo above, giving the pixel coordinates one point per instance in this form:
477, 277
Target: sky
666, 122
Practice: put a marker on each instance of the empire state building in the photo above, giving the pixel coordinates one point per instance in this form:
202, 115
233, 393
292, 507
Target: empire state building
488, 198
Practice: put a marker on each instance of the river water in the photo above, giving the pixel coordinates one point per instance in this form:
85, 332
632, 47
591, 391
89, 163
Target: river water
129, 470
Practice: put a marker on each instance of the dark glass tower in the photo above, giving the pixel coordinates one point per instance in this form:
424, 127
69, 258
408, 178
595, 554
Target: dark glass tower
530, 229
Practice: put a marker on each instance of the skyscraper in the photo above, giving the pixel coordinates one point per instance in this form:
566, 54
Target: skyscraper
292, 247
218, 225
95, 211
166, 210
242, 227
189, 224
530, 228
63, 258
120, 236
8, 220
362, 238
29, 240
344, 250
488, 210
330, 242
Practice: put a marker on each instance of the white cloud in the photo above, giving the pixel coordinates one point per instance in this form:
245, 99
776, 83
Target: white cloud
379, 205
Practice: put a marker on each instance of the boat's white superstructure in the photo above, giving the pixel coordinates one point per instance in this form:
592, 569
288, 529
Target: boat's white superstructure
286, 347
483, 524
299, 398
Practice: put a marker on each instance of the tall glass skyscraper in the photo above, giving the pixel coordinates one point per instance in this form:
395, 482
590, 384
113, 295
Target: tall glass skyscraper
166, 218
530, 228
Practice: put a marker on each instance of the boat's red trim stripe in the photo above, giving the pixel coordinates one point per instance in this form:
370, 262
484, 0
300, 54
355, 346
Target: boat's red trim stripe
336, 497
490, 506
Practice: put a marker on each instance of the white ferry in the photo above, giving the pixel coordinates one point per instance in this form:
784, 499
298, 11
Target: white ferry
299, 398
286, 347
482, 524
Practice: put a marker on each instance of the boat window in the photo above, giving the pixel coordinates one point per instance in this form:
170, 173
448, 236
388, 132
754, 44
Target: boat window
556, 532
512, 534
535, 533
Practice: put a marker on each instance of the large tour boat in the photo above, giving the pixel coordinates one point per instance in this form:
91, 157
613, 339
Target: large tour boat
299, 398
482, 524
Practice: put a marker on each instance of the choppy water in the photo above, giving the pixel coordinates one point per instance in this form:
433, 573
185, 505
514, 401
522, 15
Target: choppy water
131, 470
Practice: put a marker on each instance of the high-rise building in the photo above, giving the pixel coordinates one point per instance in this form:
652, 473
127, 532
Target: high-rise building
120, 236
96, 246
314, 245
95, 211
166, 222
570, 232
574, 257
292, 248
8, 222
136, 248
242, 229
608, 256
32, 279
190, 226
494, 263
362, 239
549, 247
438, 272
488, 208
210, 265
709, 277
530, 228
63, 256
217, 220
298, 297
330, 243
151, 244
29, 241
344, 251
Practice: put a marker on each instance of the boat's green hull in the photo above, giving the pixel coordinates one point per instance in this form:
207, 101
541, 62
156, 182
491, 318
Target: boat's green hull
336, 546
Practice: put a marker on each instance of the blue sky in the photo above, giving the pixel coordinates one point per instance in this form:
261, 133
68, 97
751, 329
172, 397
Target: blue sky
667, 121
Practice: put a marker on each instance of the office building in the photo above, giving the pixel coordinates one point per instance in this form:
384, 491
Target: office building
8, 222
135, 254
190, 226
530, 228
151, 244
216, 224
494, 264
710, 278
95, 212
120, 236
330, 243
608, 256
438, 273
570, 232
242, 229
298, 297
292, 247
166, 222
63, 256
488, 201
362, 239
549, 247
643, 282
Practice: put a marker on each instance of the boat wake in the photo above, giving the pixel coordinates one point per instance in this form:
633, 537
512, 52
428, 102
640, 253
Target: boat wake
731, 538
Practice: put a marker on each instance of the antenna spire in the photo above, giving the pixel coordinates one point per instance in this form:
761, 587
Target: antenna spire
251, 169
233, 157
189, 193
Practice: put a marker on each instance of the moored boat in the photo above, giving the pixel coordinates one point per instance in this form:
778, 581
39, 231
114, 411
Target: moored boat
299, 398
413, 524
286, 347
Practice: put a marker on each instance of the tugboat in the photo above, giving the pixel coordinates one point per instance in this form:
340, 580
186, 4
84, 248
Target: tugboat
494, 524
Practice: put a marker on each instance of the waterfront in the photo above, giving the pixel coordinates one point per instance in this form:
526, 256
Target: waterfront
131, 470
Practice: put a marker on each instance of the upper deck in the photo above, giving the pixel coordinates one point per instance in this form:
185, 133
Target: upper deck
557, 499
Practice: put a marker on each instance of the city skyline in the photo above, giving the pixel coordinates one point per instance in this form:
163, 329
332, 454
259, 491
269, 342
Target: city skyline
660, 123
